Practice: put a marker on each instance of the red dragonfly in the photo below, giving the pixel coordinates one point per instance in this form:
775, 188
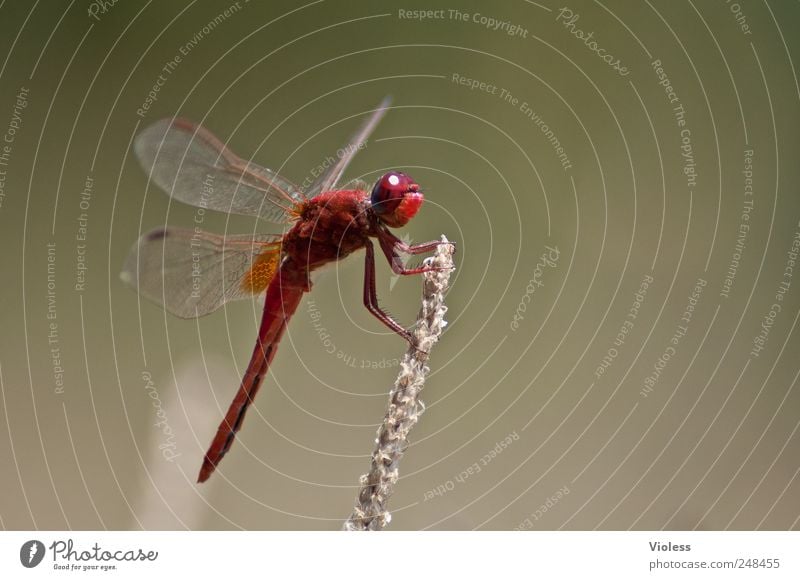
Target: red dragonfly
190, 272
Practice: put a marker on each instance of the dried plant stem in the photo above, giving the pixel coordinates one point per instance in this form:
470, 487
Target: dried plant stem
405, 407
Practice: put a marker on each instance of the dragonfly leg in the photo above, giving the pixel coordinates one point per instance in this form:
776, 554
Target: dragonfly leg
371, 296
387, 237
390, 246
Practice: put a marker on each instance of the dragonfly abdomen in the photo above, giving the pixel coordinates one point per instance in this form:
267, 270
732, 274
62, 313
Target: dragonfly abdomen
284, 294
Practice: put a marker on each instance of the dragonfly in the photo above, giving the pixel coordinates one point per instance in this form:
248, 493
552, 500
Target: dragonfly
191, 272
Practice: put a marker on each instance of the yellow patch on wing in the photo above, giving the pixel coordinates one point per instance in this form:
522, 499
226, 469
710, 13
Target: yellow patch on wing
262, 271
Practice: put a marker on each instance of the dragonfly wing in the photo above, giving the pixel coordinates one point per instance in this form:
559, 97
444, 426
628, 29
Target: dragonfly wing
193, 166
330, 179
191, 273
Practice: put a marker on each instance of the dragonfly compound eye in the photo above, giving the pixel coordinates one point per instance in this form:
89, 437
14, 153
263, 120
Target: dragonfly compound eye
396, 198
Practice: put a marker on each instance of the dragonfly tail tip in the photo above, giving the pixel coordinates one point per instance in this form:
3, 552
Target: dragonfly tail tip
205, 471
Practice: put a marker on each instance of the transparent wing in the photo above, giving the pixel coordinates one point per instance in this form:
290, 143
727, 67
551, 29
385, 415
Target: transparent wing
193, 166
192, 273
330, 179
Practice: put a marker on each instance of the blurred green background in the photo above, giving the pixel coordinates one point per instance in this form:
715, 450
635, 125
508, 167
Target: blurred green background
108, 404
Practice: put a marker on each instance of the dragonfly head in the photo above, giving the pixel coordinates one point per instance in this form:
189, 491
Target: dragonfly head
396, 199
